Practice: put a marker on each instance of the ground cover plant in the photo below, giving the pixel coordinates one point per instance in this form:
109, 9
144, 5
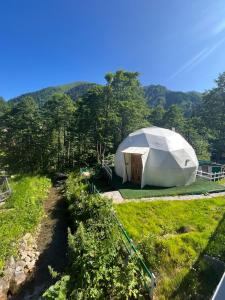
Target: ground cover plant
174, 237
99, 265
21, 212
130, 191
222, 181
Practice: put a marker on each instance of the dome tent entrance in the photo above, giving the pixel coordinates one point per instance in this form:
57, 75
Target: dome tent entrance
156, 156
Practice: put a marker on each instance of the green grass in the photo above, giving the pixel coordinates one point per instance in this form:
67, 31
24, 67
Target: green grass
177, 258
21, 213
222, 181
131, 191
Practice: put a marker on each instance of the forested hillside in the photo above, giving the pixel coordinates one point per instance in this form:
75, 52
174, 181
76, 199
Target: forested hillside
74, 90
155, 95
160, 95
62, 133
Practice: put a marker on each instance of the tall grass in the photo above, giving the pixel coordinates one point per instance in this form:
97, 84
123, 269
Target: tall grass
21, 213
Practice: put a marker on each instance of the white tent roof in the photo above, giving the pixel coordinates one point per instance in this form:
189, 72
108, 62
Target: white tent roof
159, 138
136, 150
167, 158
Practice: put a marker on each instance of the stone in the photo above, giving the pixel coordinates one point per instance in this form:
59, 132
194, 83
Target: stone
37, 253
31, 265
19, 269
17, 281
4, 287
9, 273
12, 262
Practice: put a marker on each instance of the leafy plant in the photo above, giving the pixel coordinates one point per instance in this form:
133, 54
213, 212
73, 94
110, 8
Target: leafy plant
99, 265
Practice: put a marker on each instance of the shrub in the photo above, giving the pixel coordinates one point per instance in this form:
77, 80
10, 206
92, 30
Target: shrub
99, 266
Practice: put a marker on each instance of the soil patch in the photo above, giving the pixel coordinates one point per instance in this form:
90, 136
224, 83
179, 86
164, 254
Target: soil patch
52, 245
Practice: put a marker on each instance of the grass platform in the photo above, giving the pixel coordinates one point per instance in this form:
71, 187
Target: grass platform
174, 238
131, 191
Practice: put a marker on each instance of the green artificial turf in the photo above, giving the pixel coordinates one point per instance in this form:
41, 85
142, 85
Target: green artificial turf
173, 237
131, 191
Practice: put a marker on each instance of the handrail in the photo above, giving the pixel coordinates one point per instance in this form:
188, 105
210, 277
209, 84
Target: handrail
141, 261
108, 171
94, 190
7, 192
210, 175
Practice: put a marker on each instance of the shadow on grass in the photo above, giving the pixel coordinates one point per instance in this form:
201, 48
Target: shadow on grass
52, 243
202, 279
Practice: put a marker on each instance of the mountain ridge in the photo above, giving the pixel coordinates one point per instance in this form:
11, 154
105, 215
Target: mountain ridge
156, 95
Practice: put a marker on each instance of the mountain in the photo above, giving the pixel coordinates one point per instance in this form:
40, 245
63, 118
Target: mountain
160, 95
155, 94
74, 90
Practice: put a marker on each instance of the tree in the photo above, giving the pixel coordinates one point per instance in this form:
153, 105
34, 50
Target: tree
57, 118
105, 115
132, 108
3, 106
157, 116
213, 114
20, 132
174, 118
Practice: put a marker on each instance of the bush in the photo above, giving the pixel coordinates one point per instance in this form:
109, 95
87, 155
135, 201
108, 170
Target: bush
99, 267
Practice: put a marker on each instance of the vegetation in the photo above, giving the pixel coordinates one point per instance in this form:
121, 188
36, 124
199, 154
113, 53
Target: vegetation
45, 132
158, 95
58, 129
130, 191
99, 265
222, 181
74, 90
173, 237
61, 133
21, 213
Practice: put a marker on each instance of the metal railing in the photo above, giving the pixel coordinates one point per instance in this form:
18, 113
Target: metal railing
108, 171
210, 175
5, 190
149, 278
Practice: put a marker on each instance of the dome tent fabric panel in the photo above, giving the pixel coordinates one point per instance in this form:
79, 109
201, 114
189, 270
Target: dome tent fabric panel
169, 161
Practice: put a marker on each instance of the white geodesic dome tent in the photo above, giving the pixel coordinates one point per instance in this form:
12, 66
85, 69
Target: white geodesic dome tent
156, 156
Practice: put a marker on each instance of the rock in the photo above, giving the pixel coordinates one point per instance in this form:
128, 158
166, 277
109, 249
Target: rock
19, 269
19, 278
12, 262
9, 273
37, 253
23, 256
31, 265
31, 254
4, 287
16, 272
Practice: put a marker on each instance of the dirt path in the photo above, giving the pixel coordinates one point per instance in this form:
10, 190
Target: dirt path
52, 244
118, 199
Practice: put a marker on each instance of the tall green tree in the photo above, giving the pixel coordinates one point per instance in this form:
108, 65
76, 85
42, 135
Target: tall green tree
3, 106
213, 114
20, 137
57, 119
174, 117
105, 115
132, 108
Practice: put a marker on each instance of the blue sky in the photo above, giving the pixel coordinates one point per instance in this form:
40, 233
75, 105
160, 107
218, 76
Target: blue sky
177, 43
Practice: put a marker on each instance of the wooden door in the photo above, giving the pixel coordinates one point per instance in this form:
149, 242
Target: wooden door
136, 168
